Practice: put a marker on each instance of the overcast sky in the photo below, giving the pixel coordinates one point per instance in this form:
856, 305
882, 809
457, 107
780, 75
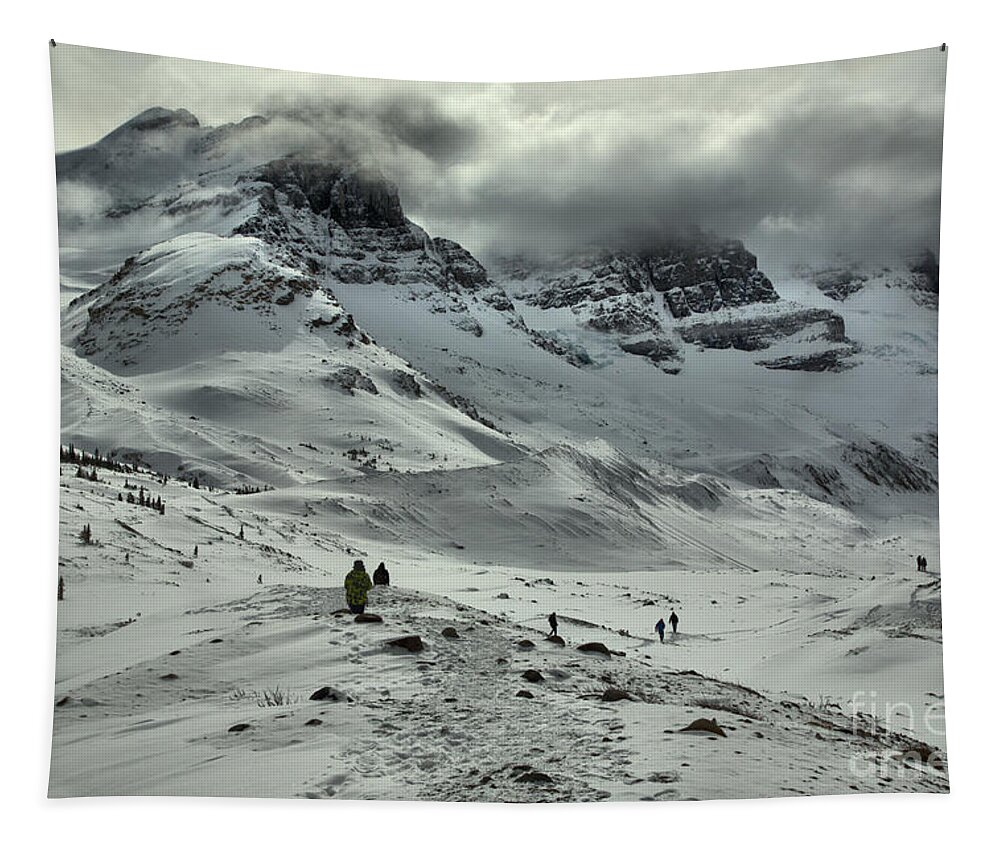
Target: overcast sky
801, 162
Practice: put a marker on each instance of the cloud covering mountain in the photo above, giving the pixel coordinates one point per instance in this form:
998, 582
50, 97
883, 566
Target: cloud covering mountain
840, 158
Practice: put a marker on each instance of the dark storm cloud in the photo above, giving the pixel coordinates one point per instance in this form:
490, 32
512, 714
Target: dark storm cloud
801, 162
396, 121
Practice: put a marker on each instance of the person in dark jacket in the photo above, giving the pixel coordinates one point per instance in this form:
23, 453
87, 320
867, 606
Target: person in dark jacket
674, 620
554, 624
661, 628
381, 574
357, 584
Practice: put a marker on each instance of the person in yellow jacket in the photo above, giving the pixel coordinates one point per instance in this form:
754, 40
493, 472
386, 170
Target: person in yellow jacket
357, 584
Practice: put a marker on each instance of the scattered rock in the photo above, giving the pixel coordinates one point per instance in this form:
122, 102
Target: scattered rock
366, 617
215, 641
704, 725
407, 383
169, 677
664, 777
524, 693
503, 595
594, 647
526, 644
64, 701
449, 632
175, 652
614, 694
555, 639
313, 722
532, 676
412, 643
350, 378
239, 728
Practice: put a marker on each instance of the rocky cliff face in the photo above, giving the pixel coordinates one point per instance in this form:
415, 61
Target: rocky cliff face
708, 276
701, 291
694, 276
346, 223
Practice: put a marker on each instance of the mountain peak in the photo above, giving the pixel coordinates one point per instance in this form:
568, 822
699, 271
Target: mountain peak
160, 118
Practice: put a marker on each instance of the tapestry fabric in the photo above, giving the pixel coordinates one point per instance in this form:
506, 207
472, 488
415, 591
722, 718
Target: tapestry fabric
535, 442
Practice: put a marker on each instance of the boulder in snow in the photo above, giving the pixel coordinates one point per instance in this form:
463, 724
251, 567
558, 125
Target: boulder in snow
704, 725
330, 694
412, 643
612, 695
594, 647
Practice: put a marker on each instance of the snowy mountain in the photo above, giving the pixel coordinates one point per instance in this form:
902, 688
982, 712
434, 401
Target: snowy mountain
266, 322
918, 275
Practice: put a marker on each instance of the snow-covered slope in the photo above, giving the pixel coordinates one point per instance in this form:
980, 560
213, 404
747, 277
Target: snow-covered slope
179, 674
606, 436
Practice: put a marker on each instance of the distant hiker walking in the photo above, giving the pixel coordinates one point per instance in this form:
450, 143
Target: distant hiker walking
357, 584
554, 625
674, 620
260, 578
381, 574
921, 564
661, 628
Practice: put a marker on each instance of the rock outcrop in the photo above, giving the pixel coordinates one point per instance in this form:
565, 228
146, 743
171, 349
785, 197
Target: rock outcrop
753, 333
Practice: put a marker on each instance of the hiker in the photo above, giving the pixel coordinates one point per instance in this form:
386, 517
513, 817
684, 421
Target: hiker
381, 574
674, 620
357, 584
554, 624
661, 628
260, 578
